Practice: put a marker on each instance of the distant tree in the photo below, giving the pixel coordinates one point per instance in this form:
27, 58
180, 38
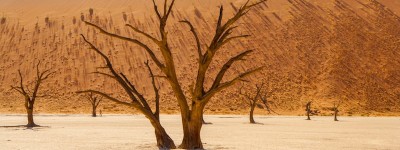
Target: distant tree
200, 94
137, 100
335, 109
94, 101
30, 97
252, 99
308, 110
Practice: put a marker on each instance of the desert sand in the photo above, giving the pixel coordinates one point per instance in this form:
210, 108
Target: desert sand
226, 132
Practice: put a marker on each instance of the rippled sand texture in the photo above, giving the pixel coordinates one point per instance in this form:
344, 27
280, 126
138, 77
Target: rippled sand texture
313, 50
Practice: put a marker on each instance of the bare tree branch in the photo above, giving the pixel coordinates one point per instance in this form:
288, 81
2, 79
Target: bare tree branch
104, 74
133, 89
108, 97
226, 66
199, 51
156, 90
156, 10
227, 84
143, 33
148, 50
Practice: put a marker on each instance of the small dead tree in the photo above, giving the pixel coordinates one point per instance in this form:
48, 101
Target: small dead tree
308, 110
252, 100
192, 116
30, 97
137, 100
94, 101
336, 109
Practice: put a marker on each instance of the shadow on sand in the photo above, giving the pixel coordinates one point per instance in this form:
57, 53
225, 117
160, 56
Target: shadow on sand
25, 127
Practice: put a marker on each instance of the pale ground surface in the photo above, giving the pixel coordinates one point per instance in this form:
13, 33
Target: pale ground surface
226, 132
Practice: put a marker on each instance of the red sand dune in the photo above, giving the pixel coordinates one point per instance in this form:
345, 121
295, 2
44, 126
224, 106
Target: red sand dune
313, 50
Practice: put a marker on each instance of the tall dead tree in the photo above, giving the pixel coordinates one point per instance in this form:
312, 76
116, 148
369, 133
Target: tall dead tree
94, 101
308, 110
192, 114
137, 100
30, 97
335, 109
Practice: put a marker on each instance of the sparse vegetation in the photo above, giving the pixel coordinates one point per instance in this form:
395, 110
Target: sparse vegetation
30, 97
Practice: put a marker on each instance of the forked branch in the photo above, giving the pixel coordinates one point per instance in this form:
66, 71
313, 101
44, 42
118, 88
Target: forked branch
194, 32
141, 44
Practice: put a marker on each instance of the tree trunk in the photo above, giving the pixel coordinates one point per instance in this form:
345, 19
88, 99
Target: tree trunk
336, 112
308, 115
31, 123
163, 139
192, 130
94, 112
252, 113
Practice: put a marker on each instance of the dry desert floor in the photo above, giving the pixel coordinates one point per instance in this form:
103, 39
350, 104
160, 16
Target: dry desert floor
226, 132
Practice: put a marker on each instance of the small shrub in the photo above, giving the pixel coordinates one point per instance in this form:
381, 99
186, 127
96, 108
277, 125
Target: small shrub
91, 11
3, 20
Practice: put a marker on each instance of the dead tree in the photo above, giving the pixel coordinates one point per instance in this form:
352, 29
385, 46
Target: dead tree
137, 100
252, 100
30, 97
308, 110
94, 101
336, 109
200, 96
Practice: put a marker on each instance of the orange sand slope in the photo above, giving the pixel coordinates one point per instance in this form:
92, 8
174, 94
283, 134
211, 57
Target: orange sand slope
323, 51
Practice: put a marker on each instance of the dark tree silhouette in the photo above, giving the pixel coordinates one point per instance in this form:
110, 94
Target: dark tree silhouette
30, 97
137, 100
94, 101
192, 116
308, 110
336, 109
252, 100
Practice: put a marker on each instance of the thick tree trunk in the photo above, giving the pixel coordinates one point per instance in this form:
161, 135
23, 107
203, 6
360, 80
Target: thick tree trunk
31, 123
94, 112
252, 113
192, 130
164, 141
